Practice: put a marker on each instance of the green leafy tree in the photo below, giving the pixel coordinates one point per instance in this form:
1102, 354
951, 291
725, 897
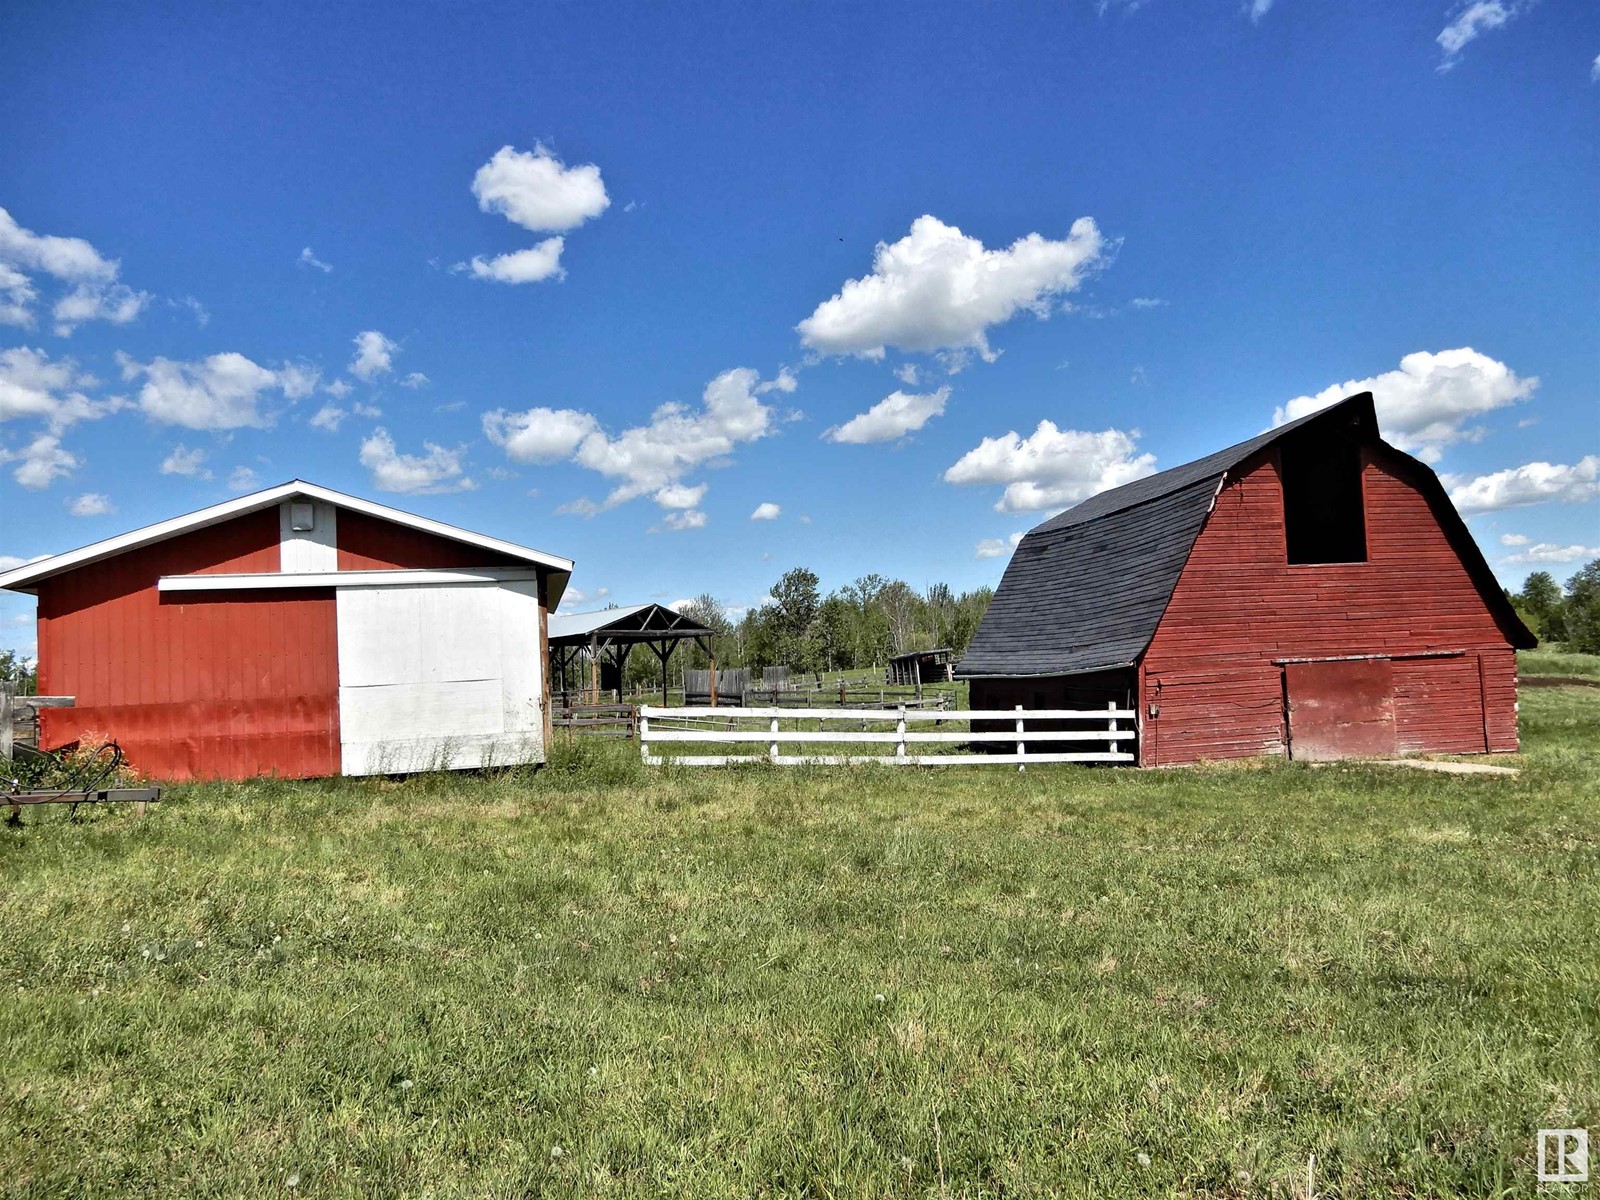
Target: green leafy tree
1582, 610
18, 673
795, 601
1543, 607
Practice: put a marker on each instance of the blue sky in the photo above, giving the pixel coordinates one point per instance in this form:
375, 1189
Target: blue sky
459, 260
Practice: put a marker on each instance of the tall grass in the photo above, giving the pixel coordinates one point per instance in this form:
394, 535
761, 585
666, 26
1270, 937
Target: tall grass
595, 980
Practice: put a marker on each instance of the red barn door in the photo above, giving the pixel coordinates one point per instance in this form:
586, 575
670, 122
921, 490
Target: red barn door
1340, 709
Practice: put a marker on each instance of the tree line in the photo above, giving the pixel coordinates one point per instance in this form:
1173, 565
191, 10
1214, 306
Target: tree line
1570, 616
861, 624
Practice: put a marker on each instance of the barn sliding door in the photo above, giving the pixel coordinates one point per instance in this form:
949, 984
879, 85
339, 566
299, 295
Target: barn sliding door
1340, 709
435, 677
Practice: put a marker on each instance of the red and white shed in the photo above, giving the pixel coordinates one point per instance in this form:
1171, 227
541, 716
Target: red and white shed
298, 632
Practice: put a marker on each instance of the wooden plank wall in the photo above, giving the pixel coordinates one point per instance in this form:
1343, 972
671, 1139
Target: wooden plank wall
1239, 605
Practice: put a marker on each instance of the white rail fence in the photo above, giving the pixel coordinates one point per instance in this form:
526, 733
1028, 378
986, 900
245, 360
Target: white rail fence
1106, 741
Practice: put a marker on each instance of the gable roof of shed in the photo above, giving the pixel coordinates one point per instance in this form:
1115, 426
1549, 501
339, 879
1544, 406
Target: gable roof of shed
26, 577
1085, 590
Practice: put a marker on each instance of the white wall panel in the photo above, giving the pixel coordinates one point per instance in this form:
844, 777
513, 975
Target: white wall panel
314, 549
439, 676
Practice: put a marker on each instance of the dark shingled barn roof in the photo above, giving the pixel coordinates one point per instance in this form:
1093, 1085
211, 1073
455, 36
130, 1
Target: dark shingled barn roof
1086, 589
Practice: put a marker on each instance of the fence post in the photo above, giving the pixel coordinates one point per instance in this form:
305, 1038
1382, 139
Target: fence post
900, 729
772, 747
1111, 744
644, 735
1022, 747
6, 718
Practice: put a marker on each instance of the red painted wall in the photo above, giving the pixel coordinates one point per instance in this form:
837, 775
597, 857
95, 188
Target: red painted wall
194, 685
1238, 606
369, 544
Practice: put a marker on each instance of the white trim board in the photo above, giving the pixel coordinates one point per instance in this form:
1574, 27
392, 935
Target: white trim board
343, 579
22, 578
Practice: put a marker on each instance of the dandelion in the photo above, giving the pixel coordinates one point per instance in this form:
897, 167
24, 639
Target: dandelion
879, 998
146, 952
126, 926
594, 1072
556, 1152
406, 1085
292, 1182
1144, 1159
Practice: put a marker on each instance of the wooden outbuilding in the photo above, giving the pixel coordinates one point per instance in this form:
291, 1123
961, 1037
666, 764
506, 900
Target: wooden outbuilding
1311, 592
298, 632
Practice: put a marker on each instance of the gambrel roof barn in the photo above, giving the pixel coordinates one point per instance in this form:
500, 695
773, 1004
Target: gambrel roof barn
1311, 591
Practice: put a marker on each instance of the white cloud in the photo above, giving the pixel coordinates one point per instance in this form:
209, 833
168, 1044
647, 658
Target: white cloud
1594, 70
44, 460
785, 381
535, 190
1547, 552
186, 462
680, 495
328, 418
415, 380
309, 259
242, 479
892, 417
995, 547
938, 289
438, 470
573, 598
645, 459
1470, 20
1258, 9
33, 386
1052, 468
95, 293
362, 409
1514, 539
223, 391
1147, 302
690, 518
906, 373
766, 511
202, 316
1531, 483
374, 355
1426, 405
91, 504
533, 265
540, 435
339, 388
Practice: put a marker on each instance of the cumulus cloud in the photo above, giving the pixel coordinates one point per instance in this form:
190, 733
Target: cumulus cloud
938, 289
1258, 9
1594, 70
1052, 468
650, 459
309, 259
766, 511
94, 292
1471, 20
186, 462
437, 470
536, 190
42, 461
995, 547
539, 435
533, 265
1548, 552
91, 504
1531, 483
415, 380
374, 355
1514, 539
328, 418
892, 417
242, 479
224, 391
680, 520
339, 388
33, 386
1429, 402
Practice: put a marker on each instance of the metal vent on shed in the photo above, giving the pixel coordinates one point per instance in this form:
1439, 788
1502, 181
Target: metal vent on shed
302, 517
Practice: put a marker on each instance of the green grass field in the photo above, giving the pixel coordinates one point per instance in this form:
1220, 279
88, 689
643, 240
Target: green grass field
598, 981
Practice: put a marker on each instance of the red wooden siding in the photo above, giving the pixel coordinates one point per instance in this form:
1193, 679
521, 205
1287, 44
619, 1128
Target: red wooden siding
1239, 606
194, 685
369, 544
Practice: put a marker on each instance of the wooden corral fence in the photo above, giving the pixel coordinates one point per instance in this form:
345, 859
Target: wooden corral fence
602, 720
777, 688
1110, 733
19, 720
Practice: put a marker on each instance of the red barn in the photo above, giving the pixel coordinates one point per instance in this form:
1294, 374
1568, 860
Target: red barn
298, 632
1311, 592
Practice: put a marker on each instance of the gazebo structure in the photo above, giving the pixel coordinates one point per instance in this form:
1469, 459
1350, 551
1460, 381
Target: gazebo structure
604, 640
